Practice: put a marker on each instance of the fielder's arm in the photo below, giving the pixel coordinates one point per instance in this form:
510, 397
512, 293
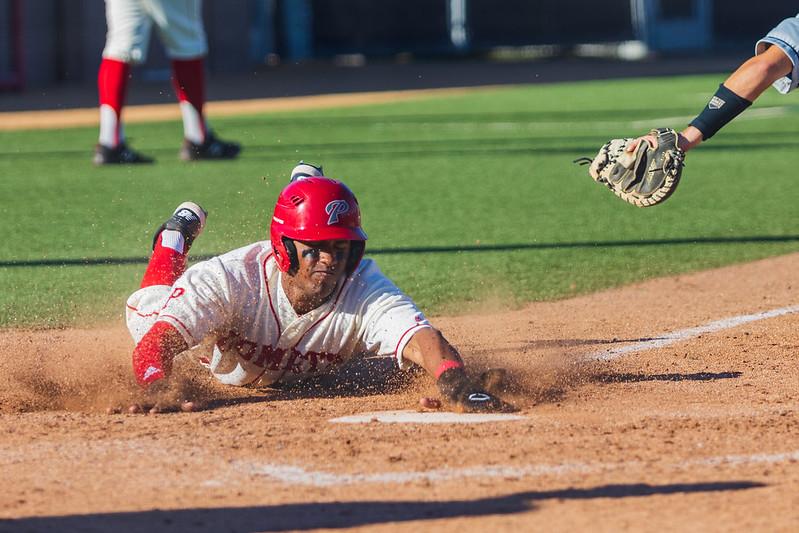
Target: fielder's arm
737, 92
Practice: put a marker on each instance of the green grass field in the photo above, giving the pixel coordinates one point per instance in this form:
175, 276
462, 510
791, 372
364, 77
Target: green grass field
465, 199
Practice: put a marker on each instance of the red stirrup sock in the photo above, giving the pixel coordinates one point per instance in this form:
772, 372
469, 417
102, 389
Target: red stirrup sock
112, 83
166, 264
189, 81
189, 84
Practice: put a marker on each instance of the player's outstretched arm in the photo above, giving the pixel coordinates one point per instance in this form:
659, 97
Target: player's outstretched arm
152, 363
152, 357
429, 349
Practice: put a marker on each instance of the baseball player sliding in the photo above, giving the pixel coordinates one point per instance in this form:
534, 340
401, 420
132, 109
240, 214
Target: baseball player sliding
288, 308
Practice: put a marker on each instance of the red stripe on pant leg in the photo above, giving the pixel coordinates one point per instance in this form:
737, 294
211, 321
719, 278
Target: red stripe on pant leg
165, 266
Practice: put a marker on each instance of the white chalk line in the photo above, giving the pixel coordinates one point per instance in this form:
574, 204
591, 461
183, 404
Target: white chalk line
297, 475
661, 341
752, 114
689, 333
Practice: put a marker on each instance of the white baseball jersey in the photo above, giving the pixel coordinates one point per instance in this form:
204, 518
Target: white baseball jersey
237, 300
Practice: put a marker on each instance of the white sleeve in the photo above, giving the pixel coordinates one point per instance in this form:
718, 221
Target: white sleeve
391, 318
786, 36
201, 302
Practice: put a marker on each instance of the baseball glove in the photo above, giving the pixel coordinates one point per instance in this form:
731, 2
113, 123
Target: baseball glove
474, 396
644, 177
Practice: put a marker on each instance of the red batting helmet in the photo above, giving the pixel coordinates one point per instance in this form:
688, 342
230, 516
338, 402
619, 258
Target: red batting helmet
316, 209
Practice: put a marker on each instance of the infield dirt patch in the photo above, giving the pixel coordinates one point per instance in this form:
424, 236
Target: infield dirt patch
699, 435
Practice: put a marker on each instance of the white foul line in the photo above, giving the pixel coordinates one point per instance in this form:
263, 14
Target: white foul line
296, 475
684, 334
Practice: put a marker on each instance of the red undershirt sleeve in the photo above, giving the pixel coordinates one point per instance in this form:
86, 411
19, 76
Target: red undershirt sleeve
152, 357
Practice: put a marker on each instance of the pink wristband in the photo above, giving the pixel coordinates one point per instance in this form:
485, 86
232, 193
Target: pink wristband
446, 365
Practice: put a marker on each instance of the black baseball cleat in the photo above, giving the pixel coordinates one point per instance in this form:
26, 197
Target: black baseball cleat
121, 154
211, 148
188, 219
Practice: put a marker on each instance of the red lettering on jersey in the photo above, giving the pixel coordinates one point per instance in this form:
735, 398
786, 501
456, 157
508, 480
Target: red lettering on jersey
295, 363
313, 361
177, 292
270, 357
330, 358
247, 349
227, 342
303, 362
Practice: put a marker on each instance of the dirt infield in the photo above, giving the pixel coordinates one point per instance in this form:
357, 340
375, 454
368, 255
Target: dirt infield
695, 427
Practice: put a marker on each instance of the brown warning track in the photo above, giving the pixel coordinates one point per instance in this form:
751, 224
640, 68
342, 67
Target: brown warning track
700, 435
70, 118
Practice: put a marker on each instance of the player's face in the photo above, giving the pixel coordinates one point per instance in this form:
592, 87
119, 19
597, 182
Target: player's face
321, 265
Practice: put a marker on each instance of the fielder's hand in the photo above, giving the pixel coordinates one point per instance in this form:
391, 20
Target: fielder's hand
643, 171
473, 396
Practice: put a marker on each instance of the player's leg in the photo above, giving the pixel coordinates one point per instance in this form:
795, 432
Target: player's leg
171, 245
126, 43
188, 80
179, 25
199, 141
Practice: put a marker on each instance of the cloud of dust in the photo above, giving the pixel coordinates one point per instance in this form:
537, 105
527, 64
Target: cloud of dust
526, 384
545, 380
90, 371
81, 370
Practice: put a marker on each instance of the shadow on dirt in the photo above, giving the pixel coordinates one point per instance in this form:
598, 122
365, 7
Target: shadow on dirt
305, 516
363, 377
635, 378
524, 388
566, 343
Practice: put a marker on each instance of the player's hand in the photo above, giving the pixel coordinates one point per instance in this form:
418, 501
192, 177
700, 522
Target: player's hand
649, 139
473, 396
685, 143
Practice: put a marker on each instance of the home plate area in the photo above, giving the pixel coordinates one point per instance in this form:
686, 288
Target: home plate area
425, 417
